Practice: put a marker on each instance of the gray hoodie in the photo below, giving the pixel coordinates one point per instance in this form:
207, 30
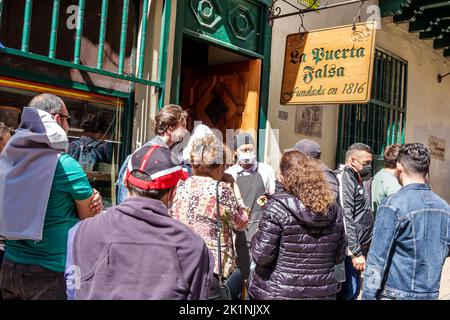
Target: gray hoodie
137, 251
27, 167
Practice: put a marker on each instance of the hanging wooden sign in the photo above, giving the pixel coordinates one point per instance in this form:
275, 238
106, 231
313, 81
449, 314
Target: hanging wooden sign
329, 66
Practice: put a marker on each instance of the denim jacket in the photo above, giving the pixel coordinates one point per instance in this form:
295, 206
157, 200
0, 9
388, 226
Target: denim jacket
410, 244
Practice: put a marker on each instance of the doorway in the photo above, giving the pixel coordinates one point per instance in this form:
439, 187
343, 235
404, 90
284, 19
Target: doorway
219, 88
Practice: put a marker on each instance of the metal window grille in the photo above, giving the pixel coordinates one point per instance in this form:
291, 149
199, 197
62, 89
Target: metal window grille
381, 122
106, 5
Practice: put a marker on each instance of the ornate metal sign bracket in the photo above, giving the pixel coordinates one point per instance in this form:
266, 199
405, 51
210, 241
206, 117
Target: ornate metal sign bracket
275, 10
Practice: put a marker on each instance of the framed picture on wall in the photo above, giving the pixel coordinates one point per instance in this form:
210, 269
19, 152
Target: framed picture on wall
308, 121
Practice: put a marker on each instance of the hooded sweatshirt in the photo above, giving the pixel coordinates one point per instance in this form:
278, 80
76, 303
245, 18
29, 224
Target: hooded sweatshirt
137, 251
296, 250
27, 167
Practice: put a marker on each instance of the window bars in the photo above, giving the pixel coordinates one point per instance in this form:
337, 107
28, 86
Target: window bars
382, 121
136, 76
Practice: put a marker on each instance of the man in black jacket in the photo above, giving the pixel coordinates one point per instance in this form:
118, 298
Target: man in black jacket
358, 216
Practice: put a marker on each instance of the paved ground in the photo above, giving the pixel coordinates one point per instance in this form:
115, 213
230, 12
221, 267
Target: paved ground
445, 282
444, 291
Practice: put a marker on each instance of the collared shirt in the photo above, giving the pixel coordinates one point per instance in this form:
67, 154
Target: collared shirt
266, 172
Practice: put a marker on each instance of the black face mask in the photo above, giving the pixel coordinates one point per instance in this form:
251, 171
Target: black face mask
366, 170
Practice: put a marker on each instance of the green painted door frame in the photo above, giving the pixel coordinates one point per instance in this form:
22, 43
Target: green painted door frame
264, 55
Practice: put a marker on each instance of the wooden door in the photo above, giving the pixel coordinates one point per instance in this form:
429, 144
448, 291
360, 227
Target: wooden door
223, 96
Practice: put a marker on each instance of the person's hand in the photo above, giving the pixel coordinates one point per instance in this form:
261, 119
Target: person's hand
96, 204
359, 263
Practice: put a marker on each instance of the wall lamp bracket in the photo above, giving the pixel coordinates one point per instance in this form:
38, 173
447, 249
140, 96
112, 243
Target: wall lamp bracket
440, 77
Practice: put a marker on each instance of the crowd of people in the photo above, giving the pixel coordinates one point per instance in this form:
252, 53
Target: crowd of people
193, 225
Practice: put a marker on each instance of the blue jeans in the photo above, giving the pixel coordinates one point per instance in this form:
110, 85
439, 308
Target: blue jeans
234, 283
352, 285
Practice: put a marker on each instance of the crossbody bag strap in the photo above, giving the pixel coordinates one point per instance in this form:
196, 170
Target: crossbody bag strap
219, 251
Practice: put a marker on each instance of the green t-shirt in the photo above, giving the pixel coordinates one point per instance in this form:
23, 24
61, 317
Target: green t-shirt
69, 183
383, 185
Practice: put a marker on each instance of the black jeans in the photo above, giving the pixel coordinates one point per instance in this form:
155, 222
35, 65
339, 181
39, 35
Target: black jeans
31, 282
1, 259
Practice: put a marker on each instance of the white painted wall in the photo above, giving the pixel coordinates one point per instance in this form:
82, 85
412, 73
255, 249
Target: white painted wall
428, 102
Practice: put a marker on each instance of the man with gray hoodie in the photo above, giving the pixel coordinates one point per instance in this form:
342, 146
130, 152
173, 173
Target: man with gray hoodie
43, 193
136, 250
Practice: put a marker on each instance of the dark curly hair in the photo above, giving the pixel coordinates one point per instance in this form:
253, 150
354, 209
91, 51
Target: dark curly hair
303, 178
415, 158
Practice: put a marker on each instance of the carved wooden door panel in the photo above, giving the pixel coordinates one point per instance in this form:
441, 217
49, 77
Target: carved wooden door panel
223, 96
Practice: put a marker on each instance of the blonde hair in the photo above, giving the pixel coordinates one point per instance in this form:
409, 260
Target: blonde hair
207, 153
303, 178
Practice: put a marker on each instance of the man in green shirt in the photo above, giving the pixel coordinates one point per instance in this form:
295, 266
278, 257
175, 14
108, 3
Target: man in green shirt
385, 183
34, 269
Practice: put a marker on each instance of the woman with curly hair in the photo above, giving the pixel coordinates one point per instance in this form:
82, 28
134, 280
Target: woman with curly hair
301, 236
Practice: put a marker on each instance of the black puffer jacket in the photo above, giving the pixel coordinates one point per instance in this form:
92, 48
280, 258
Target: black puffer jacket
296, 250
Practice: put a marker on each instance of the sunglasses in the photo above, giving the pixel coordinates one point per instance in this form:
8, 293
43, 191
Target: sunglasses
69, 119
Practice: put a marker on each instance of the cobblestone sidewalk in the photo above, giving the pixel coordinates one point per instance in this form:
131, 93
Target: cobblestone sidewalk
445, 282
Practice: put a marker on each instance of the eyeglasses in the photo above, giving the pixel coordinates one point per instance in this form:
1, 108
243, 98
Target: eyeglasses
69, 119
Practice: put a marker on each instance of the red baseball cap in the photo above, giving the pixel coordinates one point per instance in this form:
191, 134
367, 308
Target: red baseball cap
155, 161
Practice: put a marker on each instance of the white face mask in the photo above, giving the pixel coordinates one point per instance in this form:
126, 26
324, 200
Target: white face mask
246, 157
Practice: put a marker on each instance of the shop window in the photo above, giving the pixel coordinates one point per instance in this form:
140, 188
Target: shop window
381, 122
95, 131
